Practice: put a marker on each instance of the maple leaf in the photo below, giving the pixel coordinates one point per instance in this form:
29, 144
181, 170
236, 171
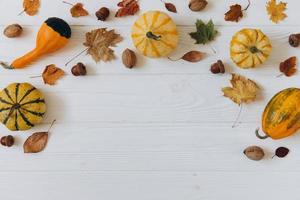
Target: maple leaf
99, 42
276, 11
77, 10
288, 67
51, 74
234, 14
128, 7
31, 7
205, 32
243, 90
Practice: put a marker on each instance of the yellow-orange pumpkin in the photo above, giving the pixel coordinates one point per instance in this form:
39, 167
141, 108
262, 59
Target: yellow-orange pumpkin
281, 117
250, 48
155, 34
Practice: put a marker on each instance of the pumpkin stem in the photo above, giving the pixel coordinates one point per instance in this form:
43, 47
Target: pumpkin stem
152, 36
249, 3
254, 49
238, 117
76, 56
262, 137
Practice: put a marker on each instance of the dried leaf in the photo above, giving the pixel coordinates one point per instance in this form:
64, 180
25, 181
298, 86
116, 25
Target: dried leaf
36, 142
234, 14
276, 11
282, 152
78, 11
127, 7
31, 7
51, 74
99, 42
205, 32
171, 7
191, 56
243, 90
288, 67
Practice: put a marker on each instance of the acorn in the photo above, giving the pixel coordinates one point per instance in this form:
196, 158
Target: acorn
79, 69
102, 14
7, 141
129, 58
13, 30
217, 67
294, 40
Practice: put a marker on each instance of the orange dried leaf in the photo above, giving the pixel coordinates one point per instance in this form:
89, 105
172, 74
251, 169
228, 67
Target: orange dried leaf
31, 7
234, 14
128, 7
78, 11
276, 11
51, 74
288, 67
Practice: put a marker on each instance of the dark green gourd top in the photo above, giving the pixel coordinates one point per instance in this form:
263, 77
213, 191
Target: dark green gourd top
59, 26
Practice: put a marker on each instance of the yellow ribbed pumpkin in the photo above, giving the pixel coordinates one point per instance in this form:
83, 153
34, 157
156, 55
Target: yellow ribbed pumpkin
281, 117
250, 48
21, 106
155, 34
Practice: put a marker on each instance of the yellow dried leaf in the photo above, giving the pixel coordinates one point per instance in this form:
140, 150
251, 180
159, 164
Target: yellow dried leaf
243, 90
99, 42
31, 7
51, 74
78, 11
276, 11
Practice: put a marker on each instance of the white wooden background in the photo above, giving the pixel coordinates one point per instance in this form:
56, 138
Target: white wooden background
161, 131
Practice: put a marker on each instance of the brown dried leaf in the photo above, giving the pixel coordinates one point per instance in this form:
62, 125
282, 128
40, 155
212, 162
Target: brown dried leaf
31, 7
51, 74
99, 42
288, 67
78, 11
235, 13
191, 56
36, 142
243, 90
171, 7
282, 152
127, 7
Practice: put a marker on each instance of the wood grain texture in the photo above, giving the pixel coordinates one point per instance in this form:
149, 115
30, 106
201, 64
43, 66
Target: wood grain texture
159, 131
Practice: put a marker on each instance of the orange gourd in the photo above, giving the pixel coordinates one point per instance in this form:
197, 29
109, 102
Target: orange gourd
52, 36
281, 117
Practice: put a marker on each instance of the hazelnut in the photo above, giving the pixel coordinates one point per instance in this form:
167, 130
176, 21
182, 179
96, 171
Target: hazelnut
7, 141
102, 13
79, 70
197, 5
217, 67
13, 30
129, 58
254, 153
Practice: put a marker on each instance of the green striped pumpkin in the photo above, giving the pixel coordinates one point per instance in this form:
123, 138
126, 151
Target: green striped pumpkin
21, 106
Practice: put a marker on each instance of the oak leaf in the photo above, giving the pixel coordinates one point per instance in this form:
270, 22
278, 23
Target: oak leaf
78, 11
276, 11
99, 42
288, 67
31, 7
234, 14
51, 74
243, 90
127, 7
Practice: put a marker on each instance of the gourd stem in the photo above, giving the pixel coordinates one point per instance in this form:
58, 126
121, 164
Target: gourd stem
151, 35
238, 117
262, 137
76, 56
254, 49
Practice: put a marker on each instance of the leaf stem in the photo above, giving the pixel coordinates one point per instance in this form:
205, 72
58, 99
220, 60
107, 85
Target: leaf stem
38, 76
249, 3
21, 12
68, 3
51, 125
76, 56
238, 116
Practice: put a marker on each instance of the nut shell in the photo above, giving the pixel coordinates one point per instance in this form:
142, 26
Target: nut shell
7, 141
129, 58
217, 67
197, 5
102, 14
13, 30
79, 70
254, 153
